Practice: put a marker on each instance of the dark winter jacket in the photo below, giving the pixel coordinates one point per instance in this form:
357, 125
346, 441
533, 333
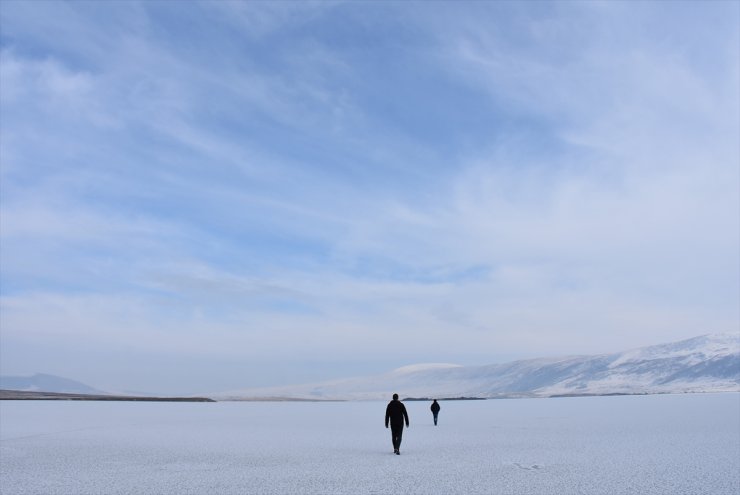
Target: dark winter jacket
396, 413
435, 407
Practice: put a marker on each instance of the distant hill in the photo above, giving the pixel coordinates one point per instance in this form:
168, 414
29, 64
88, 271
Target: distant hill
46, 383
710, 363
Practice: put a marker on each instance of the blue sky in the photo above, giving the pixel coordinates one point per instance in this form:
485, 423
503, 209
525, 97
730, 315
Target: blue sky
203, 196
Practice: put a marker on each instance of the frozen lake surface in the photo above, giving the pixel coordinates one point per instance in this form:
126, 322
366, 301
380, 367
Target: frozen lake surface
669, 444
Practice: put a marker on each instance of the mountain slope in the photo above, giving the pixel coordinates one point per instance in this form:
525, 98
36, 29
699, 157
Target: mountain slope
709, 363
45, 383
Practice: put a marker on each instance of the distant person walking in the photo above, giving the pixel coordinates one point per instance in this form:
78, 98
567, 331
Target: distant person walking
435, 410
396, 413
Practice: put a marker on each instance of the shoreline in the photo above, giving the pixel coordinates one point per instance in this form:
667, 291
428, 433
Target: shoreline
28, 395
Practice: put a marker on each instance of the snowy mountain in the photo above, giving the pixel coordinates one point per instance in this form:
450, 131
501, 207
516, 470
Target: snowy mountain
710, 363
45, 383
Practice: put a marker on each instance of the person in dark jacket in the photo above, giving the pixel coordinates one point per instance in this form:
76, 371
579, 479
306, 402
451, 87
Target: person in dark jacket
435, 410
396, 413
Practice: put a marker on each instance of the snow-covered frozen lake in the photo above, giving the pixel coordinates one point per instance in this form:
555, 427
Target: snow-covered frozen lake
670, 444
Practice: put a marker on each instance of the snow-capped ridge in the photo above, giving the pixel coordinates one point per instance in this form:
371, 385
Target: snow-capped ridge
694, 350
709, 363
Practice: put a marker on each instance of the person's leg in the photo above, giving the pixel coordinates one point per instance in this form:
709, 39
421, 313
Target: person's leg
396, 438
435, 419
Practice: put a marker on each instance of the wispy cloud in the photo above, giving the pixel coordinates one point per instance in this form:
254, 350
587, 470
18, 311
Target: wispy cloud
326, 178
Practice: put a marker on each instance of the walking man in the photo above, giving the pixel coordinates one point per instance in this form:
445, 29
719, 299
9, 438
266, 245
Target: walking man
435, 410
396, 414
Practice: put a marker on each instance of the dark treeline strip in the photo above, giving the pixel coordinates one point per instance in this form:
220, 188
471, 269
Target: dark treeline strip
27, 395
442, 398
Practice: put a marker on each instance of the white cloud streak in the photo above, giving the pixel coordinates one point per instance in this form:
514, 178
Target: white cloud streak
168, 200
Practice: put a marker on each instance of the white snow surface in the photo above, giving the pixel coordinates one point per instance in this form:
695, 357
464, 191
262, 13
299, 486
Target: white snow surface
660, 444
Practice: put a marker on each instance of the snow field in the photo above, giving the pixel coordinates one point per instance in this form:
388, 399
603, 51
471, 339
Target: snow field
667, 444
